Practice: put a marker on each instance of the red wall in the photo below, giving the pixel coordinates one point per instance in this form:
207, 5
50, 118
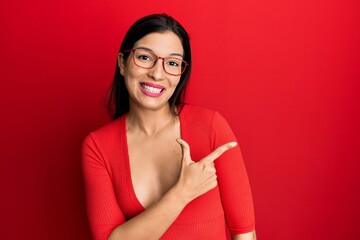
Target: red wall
284, 73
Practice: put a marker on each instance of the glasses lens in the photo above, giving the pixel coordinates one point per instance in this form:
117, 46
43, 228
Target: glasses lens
144, 58
174, 66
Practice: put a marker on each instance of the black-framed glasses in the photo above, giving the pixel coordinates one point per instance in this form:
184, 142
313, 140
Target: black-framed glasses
146, 59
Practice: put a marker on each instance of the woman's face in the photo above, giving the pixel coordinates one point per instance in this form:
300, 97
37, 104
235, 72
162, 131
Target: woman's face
152, 88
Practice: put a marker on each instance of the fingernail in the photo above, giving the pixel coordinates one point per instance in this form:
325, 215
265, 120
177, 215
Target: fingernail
233, 144
178, 140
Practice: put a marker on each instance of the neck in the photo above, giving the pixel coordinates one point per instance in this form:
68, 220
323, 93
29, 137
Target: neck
148, 121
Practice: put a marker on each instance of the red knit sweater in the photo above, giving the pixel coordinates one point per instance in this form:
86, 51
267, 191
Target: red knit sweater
111, 199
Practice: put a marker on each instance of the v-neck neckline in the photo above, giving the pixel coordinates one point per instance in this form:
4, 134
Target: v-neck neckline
131, 189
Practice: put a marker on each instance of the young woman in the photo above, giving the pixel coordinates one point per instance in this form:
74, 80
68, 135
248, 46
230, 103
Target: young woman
163, 169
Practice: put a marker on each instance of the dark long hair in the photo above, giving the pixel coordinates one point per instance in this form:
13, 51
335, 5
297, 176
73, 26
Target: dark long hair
118, 102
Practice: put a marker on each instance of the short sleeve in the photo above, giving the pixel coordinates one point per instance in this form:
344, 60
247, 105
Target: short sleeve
103, 210
233, 181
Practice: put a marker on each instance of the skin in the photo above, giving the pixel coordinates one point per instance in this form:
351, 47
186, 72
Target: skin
165, 180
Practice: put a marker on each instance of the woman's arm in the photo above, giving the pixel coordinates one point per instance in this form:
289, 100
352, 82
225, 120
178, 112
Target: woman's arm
106, 218
154, 221
233, 183
157, 219
245, 236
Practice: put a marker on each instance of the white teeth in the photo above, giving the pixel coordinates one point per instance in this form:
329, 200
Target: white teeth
151, 89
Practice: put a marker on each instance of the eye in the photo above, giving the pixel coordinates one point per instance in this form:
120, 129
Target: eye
173, 62
144, 57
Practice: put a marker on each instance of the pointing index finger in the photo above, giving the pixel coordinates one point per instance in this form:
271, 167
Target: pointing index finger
219, 151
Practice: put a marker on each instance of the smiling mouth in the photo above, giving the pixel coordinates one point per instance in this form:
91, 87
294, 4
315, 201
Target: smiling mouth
151, 89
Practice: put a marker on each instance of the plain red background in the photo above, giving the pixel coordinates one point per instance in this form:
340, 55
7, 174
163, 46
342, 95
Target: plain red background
284, 73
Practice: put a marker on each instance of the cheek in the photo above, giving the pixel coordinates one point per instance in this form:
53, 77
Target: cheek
175, 81
173, 86
134, 72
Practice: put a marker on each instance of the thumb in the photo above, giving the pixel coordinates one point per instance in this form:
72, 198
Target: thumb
185, 150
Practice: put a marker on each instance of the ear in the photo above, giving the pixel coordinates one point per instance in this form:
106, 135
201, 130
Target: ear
121, 63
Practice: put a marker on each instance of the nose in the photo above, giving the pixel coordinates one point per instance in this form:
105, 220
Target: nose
157, 72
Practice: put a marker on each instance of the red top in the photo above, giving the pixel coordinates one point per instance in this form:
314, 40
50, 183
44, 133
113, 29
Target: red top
111, 198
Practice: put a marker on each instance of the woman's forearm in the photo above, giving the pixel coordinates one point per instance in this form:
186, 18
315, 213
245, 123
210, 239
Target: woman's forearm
245, 236
153, 222
193, 182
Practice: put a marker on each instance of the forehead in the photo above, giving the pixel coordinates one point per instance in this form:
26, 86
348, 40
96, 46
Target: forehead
165, 43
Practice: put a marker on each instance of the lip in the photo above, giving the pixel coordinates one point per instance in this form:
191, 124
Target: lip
151, 94
153, 85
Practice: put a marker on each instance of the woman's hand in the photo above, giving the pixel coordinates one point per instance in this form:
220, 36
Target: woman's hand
196, 178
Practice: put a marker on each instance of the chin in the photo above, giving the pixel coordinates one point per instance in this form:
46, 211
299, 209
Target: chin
152, 105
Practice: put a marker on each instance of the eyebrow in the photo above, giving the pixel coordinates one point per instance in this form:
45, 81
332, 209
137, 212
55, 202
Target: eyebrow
171, 54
